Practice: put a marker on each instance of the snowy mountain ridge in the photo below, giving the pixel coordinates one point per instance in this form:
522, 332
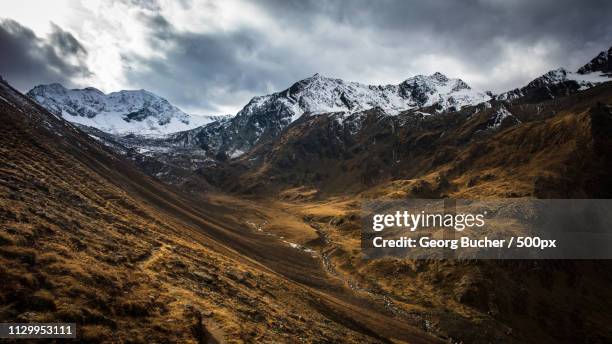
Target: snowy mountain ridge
266, 116
601, 63
124, 112
319, 94
144, 113
560, 81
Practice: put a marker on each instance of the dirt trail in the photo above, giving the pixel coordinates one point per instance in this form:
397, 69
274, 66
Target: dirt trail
157, 254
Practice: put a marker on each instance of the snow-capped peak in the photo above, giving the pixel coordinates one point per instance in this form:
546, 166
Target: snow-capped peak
320, 94
268, 115
602, 64
123, 112
593, 73
438, 89
560, 81
559, 78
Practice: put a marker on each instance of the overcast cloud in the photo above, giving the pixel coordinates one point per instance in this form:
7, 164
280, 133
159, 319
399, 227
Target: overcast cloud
212, 57
26, 59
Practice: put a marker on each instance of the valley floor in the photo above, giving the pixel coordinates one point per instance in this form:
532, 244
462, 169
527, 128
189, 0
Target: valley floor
451, 300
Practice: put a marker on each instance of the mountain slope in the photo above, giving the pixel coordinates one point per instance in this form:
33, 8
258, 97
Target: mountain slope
124, 112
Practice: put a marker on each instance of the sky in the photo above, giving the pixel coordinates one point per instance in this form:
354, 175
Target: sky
212, 57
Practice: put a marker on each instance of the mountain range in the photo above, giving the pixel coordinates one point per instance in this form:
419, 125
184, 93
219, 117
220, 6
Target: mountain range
267, 116
141, 113
126, 120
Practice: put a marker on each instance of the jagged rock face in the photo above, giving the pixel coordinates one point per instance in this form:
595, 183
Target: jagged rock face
210, 137
601, 63
502, 118
266, 116
124, 112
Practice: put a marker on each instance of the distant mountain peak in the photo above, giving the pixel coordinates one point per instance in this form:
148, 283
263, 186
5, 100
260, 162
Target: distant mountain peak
122, 112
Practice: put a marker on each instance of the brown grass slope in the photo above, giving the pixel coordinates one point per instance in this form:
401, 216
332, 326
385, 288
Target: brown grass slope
86, 238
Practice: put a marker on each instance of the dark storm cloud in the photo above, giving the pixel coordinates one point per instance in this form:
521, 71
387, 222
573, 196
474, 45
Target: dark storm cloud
227, 67
469, 30
206, 71
65, 43
27, 60
469, 22
492, 44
